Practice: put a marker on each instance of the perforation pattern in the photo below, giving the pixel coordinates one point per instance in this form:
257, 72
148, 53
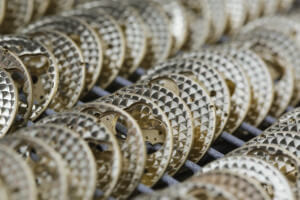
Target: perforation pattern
237, 12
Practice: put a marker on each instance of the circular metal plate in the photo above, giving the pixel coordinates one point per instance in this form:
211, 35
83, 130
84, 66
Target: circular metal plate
237, 14
70, 66
132, 144
270, 7
286, 162
2, 10
273, 181
134, 29
40, 8
9, 101
237, 82
75, 152
286, 5
254, 9
16, 176
207, 76
60, 5
274, 48
84, 36
47, 166
262, 88
42, 67
3, 191
156, 129
159, 37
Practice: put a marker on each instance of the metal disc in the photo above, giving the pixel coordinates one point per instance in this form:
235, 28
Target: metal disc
207, 76
3, 191
270, 7
42, 67
3, 4
273, 48
132, 144
16, 176
199, 103
156, 129
134, 29
60, 5
262, 88
75, 152
70, 66
254, 9
40, 8
47, 166
159, 37
237, 82
9, 101
237, 14
84, 36
275, 184
285, 5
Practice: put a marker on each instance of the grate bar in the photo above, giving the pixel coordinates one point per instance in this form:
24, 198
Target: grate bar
232, 139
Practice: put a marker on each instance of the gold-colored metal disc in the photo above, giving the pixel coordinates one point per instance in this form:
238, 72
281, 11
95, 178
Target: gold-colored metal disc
47, 166
9, 101
40, 8
203, 111
75, 152
134, 29
3, 4
16, 176
156, 129
262, 88
237, 14
237, 82
84, 36
158, 27
42, 67
243, 188
254, 9
131, 142
207, 76
22, 80
275, 183
17, 13
60, 5
274, 48
70, 66
270, 7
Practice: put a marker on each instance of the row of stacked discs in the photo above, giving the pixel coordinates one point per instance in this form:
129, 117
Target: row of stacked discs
266, 167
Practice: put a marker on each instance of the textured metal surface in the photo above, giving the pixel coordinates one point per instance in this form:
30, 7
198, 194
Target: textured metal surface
40, 8
270, 6
75, 152
3, 191
2, 10
237, 13
60, 5
254, 9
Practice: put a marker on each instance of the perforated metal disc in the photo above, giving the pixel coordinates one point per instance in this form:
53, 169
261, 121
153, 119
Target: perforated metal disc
274, 48
40, 8
270, 7
15, 67
113, 41
254, 9
47, 166
156, 129
17, 14
2, 10
84, 36
16, 176
75, 152
243, 188
237, 82
273, 181
42, 67
159, 37
60, 5
199, 103
70, 66
262, 88
207, 76
237, 13
132, 144
134, 29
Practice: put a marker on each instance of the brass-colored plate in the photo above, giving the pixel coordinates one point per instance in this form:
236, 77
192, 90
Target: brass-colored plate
17, 13
132, 144
158, 27
243, 188
70, 66
113, 43
203, 111
134, 29
21, 77
237, 82
156, 129
60, 5
271, 47
9, 101
207, 76
262, 88
287, 163
3, 4
47, 166
16, 175
42, 66
237, 14
254, 9
75, 152
84, 36
270, 7
180, 117
40, 8
289, 43
275, 184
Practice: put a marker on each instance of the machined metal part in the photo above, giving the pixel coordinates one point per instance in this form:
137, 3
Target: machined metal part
237, 13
